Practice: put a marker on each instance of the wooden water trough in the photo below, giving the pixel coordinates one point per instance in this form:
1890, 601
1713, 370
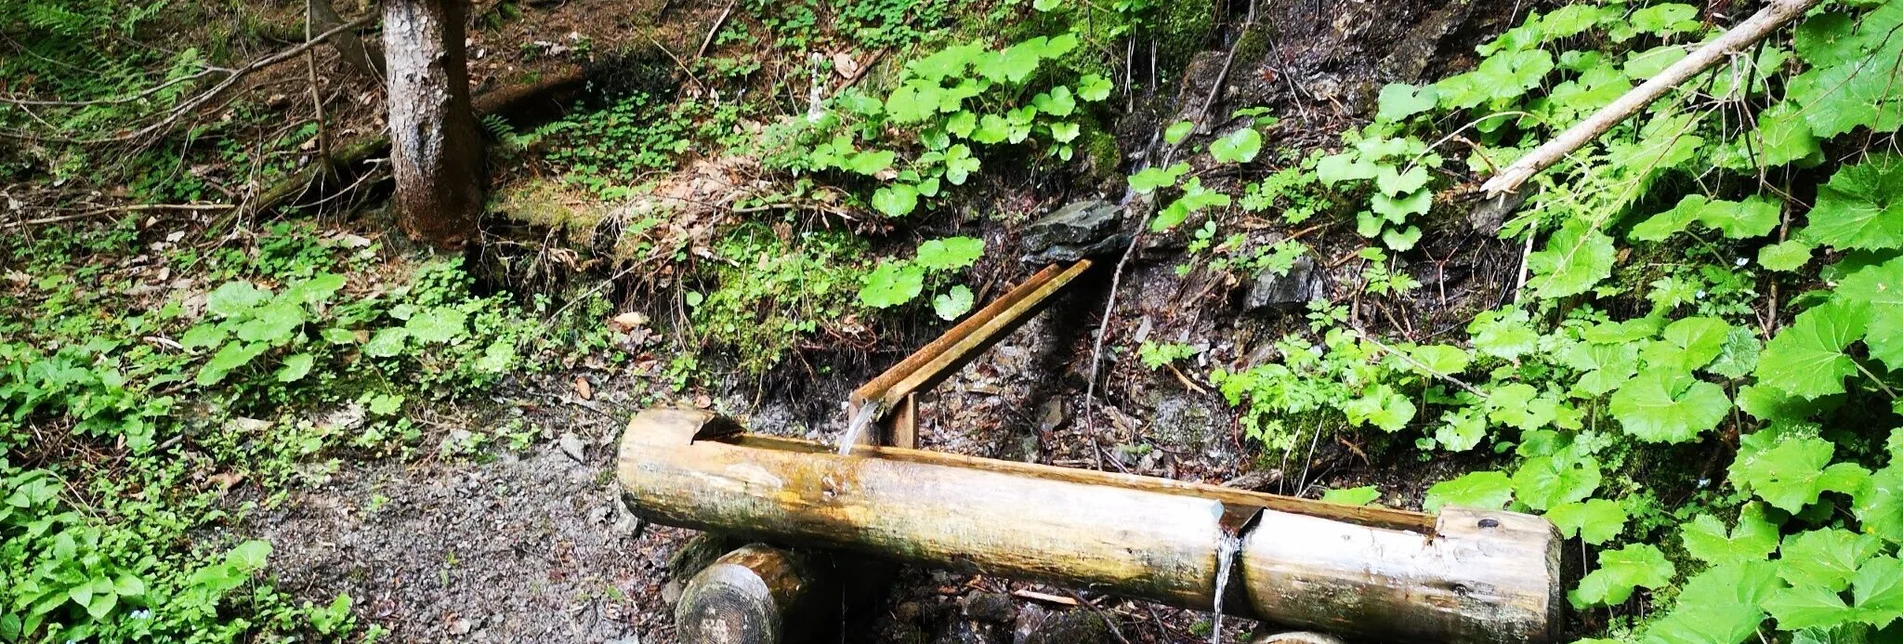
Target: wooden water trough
1369, 574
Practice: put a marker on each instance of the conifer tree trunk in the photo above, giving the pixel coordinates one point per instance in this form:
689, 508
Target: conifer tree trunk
435, 148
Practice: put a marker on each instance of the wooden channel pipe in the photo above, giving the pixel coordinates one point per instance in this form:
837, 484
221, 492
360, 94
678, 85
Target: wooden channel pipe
1367, 573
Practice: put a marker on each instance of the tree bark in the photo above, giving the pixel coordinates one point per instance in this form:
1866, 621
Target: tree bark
758, 595
320, 17
436, 150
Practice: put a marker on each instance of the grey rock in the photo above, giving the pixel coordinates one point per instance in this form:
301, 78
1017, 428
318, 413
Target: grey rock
573, 447
1076, 231
1272, 291
990, 607
1071, 627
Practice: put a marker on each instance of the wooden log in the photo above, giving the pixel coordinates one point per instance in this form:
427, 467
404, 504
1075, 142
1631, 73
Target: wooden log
758, 595
1465, 576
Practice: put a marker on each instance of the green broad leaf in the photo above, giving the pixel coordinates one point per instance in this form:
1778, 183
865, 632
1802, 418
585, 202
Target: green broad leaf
1795, 472
316, 290
1878, 588
1395, 183
991, 129
1401, 239
1058, 102
1781, 137
1665, 224
1718, 606
384, 404
1148, 180
203, 336
1380, 406
1861, 207
1398, 101
1668, 407
1650, 62
1195, 199
1046, 5
1881, 288
1520, 405
1858, 93
249, 556
1064, 132
233, 299
1574, 260
1665, 19
1756, 216
296, 367
1754, 538
1687, 344
1825, 558
498, 357
1178, 131
1503, 333
1786, 256
962, 124
1346, 166
274, 323
950, 253
338, 335
959, 166
1828, 38
1545, 482
870, 162
1604, 367
437, 325
1397, 209
1739, 355
1094, 87
1620, 572
949, 62
229, 358
1595, 521
914, 101
1802, 607
387, 343
1438, 359
1622, 332
896, 200
892, 284
1807, 358
1352, 496
1461, 429
951, 304
1479, 490
1240, 146
1879, 503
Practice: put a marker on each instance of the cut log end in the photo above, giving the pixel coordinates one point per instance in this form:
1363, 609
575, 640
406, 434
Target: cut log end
754, 595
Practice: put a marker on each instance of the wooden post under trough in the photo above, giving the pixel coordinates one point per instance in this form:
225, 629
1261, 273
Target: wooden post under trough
1373, 573
758, 595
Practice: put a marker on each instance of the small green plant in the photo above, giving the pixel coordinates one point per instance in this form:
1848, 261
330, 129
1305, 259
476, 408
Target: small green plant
896, 282
1156, 356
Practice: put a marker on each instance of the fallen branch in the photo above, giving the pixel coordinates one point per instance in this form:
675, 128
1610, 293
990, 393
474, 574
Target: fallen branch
1775, 14
112, 210
192, 105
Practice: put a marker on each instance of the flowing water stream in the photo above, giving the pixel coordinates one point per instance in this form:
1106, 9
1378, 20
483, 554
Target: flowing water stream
1227, 550
857, 426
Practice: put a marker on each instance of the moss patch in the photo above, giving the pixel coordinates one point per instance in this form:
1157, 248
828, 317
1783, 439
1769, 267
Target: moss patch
1182, 29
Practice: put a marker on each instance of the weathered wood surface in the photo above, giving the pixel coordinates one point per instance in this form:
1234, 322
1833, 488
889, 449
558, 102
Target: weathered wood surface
1468, 576
757, 595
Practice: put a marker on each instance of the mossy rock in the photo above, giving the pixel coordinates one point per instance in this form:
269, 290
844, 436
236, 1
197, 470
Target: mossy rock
1182, 29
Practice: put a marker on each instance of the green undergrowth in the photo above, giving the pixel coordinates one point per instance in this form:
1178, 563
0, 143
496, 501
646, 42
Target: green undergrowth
133, 394
1700, 383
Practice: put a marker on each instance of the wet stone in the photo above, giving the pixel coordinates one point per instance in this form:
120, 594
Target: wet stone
971, 632
1076, 231
991, 607
1270, 291
1072, 627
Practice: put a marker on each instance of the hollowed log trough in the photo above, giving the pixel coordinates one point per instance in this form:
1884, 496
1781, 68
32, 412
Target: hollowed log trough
1370, 574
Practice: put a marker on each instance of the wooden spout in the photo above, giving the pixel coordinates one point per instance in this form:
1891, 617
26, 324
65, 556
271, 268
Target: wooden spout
1466, 576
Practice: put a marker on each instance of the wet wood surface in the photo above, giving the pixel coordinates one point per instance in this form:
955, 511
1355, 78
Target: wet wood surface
1465, 576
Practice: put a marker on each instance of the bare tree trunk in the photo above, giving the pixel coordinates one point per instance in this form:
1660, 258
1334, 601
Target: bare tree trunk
319, 16
435, 148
